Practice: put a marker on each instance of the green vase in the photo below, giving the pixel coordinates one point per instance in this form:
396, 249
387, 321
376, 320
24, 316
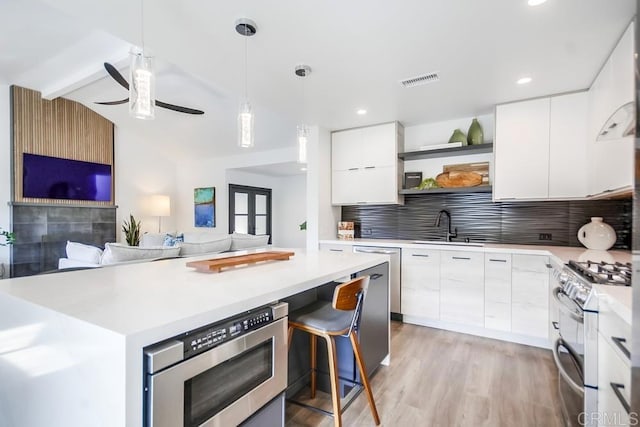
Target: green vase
475, 135
458, 136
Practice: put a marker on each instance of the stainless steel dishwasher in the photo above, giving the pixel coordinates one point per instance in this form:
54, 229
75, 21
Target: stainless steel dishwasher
394, 275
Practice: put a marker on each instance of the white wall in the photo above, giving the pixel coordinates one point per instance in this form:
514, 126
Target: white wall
5, 171
141, 171
212, 172
440, 132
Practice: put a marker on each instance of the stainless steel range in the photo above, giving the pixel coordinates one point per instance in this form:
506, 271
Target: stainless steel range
576, 349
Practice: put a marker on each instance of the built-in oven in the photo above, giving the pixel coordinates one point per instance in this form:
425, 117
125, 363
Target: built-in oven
576, 348
221, 374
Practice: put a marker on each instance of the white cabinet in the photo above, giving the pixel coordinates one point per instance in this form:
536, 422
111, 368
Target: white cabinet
521, 150
611, 161
365, 166
421, 283
462, 287
540, 148
497, 291
614, 366
530, 295
567, 146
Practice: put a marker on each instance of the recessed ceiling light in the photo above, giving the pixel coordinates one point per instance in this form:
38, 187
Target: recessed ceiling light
361, 112
524, 80
303, 169
535, 2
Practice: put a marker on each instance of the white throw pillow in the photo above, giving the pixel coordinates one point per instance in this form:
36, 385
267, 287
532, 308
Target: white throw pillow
246, 241
115, 253
202, 237
214, 246
84, 253
148, 240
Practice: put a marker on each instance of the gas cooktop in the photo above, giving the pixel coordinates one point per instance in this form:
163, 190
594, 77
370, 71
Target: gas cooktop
603, 273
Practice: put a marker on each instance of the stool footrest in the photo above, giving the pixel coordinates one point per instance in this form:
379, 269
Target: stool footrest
349, 398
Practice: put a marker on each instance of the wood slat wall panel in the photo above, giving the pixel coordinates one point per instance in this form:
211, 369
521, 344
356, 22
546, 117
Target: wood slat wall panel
58, 128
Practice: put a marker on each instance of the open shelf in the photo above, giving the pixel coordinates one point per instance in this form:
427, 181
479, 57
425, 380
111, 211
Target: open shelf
447, 152
476, 189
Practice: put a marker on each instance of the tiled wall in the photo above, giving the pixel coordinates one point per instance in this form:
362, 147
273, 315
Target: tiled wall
478, 218
42, 232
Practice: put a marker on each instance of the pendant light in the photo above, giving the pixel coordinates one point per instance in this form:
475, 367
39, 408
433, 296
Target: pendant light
142, 90
247, 28
302, 131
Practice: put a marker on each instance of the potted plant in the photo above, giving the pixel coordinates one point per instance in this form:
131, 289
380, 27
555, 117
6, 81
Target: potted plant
9, 237
131, 230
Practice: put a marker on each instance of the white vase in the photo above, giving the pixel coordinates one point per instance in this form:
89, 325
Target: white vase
597, 234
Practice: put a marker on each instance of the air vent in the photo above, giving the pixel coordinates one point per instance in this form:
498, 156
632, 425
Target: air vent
420, 80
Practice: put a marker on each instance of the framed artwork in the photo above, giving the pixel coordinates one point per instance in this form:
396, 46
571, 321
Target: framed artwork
204, 201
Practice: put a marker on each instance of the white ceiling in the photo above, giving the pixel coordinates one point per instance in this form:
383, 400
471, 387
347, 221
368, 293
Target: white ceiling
358, 51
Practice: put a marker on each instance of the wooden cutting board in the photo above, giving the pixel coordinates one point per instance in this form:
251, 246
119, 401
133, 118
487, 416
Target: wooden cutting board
459, 179
217, 264
481, 168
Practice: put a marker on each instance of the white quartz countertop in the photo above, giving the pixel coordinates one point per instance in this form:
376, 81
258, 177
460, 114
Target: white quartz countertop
619, 298
166, 297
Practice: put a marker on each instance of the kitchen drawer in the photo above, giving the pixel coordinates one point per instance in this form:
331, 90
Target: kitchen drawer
335, 247
614, 329
612, 369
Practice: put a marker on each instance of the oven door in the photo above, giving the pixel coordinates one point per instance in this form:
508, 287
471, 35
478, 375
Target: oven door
223, 386
570, 382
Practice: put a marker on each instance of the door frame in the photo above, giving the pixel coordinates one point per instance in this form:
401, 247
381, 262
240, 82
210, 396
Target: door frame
251, 207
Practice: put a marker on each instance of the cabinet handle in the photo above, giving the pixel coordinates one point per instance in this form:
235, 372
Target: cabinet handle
549, 266
497, 260
616, 389
618, 341
361, 203
353, 169
336, 250
369, 167
461, 257
421, 255
556, 326
375, 276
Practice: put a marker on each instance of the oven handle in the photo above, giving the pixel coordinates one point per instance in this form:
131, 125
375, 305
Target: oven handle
616, 389
565, 307
563, 373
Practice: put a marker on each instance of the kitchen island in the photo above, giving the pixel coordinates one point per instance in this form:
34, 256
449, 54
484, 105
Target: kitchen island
71, 343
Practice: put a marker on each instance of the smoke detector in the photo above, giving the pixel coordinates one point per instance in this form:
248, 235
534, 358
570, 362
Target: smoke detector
302, 70
420, 80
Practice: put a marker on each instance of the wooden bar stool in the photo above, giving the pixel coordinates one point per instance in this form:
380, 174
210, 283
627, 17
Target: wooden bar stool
329, 320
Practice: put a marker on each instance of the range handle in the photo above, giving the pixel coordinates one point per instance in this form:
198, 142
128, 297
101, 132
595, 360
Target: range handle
376, 251
578, 388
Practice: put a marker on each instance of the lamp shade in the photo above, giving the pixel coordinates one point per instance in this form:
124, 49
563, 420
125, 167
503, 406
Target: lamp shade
159, 205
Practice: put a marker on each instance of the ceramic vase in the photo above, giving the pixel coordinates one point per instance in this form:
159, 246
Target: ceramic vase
458, 136
475, 135
597, 234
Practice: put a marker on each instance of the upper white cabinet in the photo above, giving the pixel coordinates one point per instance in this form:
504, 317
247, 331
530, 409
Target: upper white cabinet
535, 143
611, 160
365, 166
521, 150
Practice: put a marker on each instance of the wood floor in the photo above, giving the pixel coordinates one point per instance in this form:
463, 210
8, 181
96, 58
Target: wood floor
441, 378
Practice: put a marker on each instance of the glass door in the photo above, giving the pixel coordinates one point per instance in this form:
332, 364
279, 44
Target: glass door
250, 210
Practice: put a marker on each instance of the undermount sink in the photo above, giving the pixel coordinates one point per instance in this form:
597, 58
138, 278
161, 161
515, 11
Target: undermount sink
441, 242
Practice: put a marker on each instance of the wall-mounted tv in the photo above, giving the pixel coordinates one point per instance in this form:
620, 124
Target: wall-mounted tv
55, 178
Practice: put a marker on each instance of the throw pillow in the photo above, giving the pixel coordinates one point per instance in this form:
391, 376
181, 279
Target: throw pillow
215, 246
85, 253
150, 240
171, 240
246, 241
115, 253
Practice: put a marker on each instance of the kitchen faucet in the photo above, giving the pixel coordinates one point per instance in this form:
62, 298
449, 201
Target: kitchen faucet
450, 233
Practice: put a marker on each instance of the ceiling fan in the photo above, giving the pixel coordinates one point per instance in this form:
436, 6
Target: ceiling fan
115, 74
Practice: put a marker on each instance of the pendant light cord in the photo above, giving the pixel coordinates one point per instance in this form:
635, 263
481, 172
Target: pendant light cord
246, 63
142, 25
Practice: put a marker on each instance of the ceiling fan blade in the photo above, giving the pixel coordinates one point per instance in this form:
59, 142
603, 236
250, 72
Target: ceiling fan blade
113, 72
122, 101
178, 108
